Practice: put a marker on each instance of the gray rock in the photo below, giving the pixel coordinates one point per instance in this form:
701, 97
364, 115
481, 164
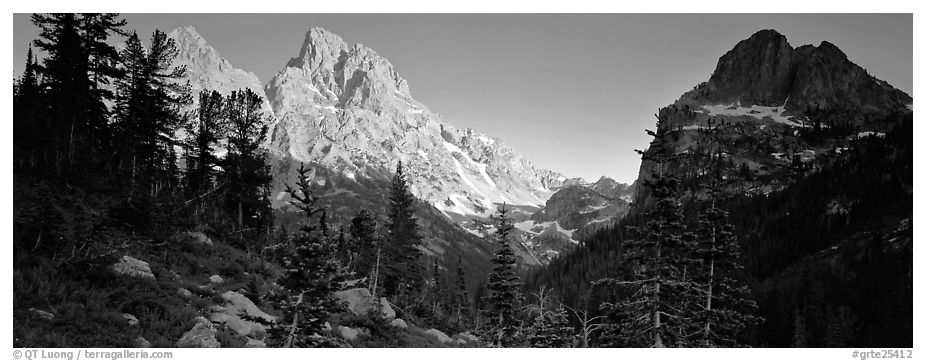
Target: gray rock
185, 293
42, 314
252, 343
348, 333
202, 335
130, 319
353, 283
386, 308
398, 323
360, 302
132, 267
141, 342
230, 314
442, 337
198, 238
216, 279
467, 336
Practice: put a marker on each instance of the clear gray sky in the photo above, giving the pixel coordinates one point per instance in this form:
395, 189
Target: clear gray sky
572, 92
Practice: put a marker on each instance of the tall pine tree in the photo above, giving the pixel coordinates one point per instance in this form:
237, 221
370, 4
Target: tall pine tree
726, 307
29, 127
247, 175
655, 297
150, 100
504, 286
404, 274
64, 71
204, 132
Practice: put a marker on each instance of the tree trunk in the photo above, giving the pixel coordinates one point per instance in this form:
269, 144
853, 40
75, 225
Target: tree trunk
376, 271
292, 327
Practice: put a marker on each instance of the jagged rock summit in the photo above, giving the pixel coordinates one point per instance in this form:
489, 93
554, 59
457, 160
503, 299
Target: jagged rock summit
345, 108
206, 68
766, 70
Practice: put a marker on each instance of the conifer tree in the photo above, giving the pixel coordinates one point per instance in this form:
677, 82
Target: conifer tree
657, 296
247, 176
404, 276
96, 29
725, 307
150, 100
463, 301
363, 243
204, 134
305, 296
80, 61
438, 293
29, 127
551, 329
503, 286
64, 71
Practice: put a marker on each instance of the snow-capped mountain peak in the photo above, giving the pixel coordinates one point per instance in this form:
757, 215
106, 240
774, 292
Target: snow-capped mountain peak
346, 108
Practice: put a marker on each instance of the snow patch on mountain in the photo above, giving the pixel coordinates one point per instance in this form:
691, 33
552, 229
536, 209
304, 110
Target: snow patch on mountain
755, 111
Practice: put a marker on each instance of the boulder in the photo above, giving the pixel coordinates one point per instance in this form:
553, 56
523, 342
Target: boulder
205, 290
442, 337
252, 343
185, 293
398, 323
130, 319
230, 314
216, 279
42, 314
202, 335
360, 302
386, 308
198, 238
348, 333
132, 267
467, 336
326, 326
353, 283
141, 342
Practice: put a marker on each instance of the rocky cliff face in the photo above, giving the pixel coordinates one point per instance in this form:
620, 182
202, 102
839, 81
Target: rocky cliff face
772, 112
766, 70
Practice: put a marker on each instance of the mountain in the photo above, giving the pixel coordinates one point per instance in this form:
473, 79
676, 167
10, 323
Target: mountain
815, 156
771, 106
206, 68
573, 212
344, 111
346, 108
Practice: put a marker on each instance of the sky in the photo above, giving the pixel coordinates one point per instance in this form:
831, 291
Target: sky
572, 92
